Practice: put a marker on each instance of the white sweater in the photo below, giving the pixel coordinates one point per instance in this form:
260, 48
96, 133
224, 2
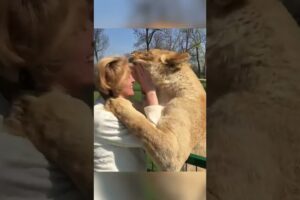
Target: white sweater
26, 174
115, 148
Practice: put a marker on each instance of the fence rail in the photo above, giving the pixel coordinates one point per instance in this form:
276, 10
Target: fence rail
195, 162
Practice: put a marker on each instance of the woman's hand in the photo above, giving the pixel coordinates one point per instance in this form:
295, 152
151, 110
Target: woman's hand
143, 77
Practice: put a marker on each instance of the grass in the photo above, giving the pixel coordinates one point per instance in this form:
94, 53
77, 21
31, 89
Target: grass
137, 92
96, 95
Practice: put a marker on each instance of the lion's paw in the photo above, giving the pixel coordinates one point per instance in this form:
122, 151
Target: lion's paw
118, 105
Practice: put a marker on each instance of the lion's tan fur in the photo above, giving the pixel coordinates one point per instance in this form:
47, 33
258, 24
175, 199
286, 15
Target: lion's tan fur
182, 126
61, 128
253, 101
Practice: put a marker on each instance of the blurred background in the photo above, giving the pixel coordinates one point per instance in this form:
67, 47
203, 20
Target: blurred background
150, 186
146, 13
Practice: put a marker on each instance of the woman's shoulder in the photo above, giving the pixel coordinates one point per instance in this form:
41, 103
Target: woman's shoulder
17, 155
99, 102
101, 115
99, 106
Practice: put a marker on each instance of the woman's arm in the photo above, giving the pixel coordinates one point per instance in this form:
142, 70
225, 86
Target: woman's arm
143, 77
151, 98
153, 113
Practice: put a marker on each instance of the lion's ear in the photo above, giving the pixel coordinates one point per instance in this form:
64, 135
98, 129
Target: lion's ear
175, 58
148, 56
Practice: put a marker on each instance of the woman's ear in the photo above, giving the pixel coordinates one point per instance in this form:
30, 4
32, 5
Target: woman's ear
175, 58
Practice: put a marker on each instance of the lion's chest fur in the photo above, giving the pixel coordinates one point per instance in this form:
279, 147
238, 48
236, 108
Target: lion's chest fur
184, 99
254, 98
245, 44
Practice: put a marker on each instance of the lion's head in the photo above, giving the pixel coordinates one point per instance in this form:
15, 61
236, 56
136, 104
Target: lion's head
162, 64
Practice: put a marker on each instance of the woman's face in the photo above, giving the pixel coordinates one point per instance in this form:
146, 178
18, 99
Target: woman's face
127, 86
77, 73
78, 68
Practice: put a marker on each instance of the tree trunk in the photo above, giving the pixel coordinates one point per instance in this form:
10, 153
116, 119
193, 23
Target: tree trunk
186, 41
204, 69
96, 54
198, 61
147, 39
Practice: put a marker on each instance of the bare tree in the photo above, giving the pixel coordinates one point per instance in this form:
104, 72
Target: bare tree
157, 38
164, 39
187, 38
144, 37
181, 40
149, 36
198, 41
101, 42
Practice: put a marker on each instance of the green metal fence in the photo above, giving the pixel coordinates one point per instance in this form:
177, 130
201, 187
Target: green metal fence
195, 160
193, 163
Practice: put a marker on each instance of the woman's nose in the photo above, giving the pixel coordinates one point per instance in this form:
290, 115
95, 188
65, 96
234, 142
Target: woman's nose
132, 78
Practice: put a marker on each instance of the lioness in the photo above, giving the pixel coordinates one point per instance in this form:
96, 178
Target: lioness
253, 102
182, 125
60, 126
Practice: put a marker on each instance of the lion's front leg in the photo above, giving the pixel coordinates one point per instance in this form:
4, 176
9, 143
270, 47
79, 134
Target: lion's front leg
161, 145
124, 111
60, 132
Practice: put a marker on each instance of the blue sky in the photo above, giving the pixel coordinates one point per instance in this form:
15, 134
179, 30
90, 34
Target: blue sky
110, 13
120, 41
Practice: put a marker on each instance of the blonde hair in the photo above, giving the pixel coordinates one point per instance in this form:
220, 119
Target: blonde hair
111, 73
34, 34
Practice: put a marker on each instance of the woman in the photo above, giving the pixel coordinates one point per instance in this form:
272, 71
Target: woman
44, 44
115, 148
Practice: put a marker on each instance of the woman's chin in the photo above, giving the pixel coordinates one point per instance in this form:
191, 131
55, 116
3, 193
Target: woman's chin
131, 95
128, 95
